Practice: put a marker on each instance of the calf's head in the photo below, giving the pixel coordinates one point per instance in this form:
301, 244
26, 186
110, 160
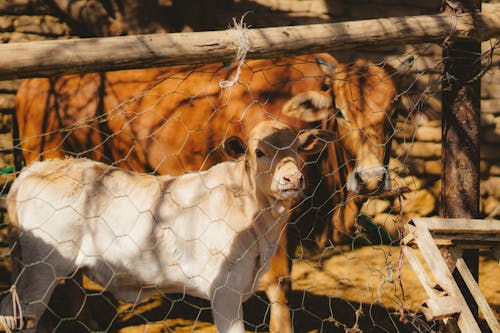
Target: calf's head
273, 156
358, 106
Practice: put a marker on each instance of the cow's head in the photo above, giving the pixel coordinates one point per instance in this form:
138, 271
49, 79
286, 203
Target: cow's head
358, 105
273, 155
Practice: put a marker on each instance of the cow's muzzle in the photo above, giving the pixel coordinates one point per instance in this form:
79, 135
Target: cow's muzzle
369, 181
291, 184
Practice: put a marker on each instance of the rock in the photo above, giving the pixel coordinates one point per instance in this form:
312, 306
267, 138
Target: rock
419, 203
435, 189
428, 133
429, 122
392, 224
43, 25
373, 207
6, 141
5, 123
490, 135
490, 152
488, 120
405, 130
412, 132
484, 167
7, 101
6, 24
491, 207
494, 170
314, 6
412, 182
19, 37
398, 167
490, 106
416, 166
10, 86
433, 167
490, 187
417, 149
490, 90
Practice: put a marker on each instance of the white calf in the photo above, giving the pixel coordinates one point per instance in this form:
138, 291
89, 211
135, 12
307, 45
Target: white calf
208, 234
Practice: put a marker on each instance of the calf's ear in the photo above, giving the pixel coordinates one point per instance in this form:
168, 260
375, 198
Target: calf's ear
327, 67
315, 140
234, 146
309, 106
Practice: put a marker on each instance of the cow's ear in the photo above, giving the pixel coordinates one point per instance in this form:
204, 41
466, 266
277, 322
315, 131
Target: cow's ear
234, 147
309, 106
314, 141
327, 67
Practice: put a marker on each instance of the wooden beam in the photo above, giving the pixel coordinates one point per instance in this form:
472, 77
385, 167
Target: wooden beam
430, 252
478, 296
440, 307
419, 269
52, 58
466, 233
472, 233
458, 225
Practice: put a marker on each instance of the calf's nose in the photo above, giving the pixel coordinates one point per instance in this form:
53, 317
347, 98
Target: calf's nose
295, 180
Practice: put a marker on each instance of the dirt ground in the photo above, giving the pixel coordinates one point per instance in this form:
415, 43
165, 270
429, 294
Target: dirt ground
352, 291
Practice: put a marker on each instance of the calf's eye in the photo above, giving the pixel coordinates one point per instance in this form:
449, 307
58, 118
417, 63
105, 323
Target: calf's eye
259, 153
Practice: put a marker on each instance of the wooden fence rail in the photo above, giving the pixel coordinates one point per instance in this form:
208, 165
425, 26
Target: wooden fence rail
49, 58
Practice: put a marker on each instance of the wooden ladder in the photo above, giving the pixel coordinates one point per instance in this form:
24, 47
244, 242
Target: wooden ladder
435, 237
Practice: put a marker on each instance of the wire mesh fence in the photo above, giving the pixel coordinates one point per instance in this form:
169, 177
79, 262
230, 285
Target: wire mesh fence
338, 265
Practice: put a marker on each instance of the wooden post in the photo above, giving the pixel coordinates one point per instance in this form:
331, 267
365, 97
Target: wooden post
461, 94
17, 151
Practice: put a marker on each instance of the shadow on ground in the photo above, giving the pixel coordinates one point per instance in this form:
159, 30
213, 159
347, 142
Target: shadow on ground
311, 313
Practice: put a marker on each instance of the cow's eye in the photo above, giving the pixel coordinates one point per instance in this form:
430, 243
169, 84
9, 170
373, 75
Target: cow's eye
340, 114
259, 153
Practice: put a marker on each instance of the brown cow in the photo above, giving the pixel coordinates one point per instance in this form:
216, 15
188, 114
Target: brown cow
172, 120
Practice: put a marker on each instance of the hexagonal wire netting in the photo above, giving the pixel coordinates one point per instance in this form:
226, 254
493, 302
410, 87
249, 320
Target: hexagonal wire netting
347, 271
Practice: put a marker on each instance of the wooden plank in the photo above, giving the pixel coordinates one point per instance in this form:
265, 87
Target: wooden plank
459, 225
419, 270
440, 308
443, 276
467, 238
486, 244
478, 296
52, 58
437, 306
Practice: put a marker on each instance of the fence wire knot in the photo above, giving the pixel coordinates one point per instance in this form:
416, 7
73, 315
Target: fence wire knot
241, 53
14, 322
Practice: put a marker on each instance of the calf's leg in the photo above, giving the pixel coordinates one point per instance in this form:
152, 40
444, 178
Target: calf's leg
277, 284
227, 310
37, 269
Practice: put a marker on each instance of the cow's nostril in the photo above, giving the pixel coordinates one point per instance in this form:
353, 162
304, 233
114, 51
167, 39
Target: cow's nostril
300, 179
295, 180
357, 176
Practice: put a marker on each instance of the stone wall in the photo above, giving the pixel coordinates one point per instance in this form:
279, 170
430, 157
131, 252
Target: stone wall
416, 149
